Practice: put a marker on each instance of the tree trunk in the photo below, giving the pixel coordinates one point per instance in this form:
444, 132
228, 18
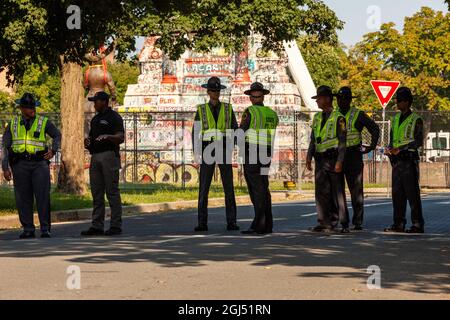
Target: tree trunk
71, 174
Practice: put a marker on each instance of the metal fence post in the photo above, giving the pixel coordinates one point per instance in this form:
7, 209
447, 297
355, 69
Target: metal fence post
183, 156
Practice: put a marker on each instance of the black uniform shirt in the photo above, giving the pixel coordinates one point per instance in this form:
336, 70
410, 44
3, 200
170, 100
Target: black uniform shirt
108, 122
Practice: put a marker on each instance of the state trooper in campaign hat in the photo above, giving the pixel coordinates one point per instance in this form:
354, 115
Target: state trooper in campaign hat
406, 137
26, 159
356, 121
327, 147
259, 122
214, 121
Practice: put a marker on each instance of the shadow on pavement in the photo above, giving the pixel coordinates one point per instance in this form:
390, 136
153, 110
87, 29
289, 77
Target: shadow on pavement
412, 263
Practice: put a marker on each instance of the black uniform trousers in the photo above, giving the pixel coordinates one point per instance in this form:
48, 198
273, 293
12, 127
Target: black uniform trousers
330, 194
206, 175
405, 187
353, 172
258, 188
32, 180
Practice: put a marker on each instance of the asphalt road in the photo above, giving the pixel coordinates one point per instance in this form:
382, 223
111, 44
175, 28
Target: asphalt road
160, 257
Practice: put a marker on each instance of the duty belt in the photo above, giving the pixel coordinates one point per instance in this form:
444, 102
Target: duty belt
329, 154
30, 157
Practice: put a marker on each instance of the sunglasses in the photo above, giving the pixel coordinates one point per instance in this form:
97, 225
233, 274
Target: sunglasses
255, 97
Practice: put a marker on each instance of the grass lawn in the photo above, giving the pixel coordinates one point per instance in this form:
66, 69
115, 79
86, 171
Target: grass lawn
131, 194
137, 194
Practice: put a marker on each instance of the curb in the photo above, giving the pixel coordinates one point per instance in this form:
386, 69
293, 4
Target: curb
10, 222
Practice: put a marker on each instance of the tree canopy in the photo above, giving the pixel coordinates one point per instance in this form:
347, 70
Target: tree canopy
36, 32
324, 60
418, 57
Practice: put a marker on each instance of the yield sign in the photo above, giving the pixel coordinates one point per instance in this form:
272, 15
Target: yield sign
384, 90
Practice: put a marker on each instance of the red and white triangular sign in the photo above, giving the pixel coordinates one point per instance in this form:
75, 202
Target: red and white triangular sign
384, 90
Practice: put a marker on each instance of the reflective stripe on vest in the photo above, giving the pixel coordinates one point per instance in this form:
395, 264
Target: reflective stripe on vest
353, 135
263, 124
211, 130
403, 133
25, 141
327, 134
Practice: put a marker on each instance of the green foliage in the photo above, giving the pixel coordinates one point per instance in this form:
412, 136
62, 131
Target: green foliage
123, 74
205, 24
323, 60
44, 84
418, 57
35, 31
6, 102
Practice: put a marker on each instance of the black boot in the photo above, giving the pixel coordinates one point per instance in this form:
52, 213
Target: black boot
201, 228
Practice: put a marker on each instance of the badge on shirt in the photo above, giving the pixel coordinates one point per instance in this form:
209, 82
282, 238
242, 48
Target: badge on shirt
104, 122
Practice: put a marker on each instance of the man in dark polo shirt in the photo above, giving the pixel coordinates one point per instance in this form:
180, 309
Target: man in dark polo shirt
105, 136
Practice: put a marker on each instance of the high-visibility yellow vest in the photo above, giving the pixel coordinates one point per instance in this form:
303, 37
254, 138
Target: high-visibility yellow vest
263, 125
212, 131
30, 141
354, 137
403, 133
328, 134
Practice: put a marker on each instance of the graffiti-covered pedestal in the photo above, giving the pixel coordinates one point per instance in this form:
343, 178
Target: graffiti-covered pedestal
159, 109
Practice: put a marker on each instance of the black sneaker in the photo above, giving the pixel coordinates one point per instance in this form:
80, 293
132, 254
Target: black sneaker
357, 227
345, 230
27, 235
415, 229
113, 231
92, 232
46, 234
395, 229
232, 227
201, 228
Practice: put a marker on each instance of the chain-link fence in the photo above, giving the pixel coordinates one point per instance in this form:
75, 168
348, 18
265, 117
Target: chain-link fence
435, 154
158, 150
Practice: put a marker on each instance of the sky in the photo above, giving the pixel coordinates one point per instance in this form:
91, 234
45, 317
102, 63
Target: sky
364, 16
359, 22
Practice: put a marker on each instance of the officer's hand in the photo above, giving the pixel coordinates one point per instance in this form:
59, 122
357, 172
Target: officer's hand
338, 167
50, 154
103, 137
308, 165
87, 143
7, 174
395, 151
365, 150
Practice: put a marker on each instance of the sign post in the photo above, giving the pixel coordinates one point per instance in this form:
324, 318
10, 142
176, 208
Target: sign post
384, 90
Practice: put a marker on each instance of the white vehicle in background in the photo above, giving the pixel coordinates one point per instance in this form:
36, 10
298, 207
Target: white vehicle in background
438, 147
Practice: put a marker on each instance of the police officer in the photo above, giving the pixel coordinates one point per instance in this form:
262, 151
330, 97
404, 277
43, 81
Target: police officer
213, 143
406, 138
356, 121
259, 123
27, 155
327, 146
105, 135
